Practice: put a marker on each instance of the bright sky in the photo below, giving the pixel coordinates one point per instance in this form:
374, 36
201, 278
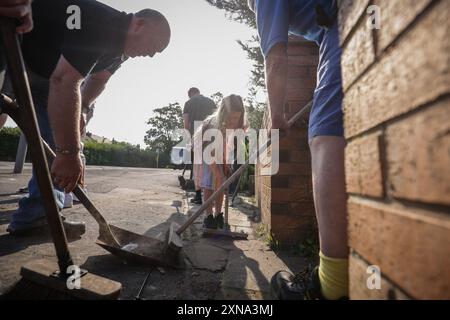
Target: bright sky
203, 52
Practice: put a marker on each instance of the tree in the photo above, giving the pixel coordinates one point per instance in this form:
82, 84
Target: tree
163, 125
217, 98
252, 48
255, 112
239, 11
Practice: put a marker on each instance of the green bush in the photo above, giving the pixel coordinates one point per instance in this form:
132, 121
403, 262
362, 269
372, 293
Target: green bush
9, 140
122, 154
116, 154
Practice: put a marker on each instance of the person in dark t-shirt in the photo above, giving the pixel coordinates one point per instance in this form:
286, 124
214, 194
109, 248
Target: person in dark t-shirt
76, 42
196, 109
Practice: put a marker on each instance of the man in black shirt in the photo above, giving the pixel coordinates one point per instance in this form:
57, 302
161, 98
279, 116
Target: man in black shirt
60, 55
196, 109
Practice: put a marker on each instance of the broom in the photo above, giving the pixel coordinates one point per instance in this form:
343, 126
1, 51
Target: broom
43, 279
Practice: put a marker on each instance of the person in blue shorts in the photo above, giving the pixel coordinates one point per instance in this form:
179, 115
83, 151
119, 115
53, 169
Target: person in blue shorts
314, 20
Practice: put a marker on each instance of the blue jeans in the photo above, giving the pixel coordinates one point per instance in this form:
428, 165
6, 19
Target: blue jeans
31, 207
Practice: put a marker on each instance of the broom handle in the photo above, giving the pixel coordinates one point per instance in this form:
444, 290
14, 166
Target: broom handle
238, 172
227, 199
30, 128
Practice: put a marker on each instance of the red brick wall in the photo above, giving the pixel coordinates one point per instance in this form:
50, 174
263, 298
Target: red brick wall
286, 200
397, 124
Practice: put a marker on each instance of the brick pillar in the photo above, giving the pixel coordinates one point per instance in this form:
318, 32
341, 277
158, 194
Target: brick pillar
286, 200
397, 125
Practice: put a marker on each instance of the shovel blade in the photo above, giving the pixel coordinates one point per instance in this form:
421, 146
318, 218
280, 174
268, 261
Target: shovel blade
139, 249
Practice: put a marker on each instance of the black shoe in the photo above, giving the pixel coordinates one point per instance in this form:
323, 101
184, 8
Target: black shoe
210, 222
303, 286
24, 190
182, 182
196, 201
219, 221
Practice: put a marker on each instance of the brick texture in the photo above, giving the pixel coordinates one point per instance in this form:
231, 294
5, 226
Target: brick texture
349, 13
418, 156
359, 290
414, 72
396, 17
364, 172
411, 246
286, 200
358, 54
397, 126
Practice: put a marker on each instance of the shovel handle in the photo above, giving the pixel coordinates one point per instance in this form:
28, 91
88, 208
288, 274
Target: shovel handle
238, 172
79, 192
9, 107
30, 128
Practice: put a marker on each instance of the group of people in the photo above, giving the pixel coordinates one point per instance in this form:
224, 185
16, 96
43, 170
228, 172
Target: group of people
59, 60
201, 114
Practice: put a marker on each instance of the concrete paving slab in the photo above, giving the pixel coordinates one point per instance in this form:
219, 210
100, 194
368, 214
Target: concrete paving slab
251, 271
146, 201
206, 256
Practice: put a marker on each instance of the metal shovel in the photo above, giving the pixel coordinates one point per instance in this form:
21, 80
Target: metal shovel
122, 243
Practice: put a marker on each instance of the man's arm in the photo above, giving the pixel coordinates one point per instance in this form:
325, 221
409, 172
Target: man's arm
186, 120
64, 104
19, 9
276, 82
91, 89
272, 19
187, 124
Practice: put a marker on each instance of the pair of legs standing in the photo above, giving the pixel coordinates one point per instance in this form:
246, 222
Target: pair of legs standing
327, 145
31, 212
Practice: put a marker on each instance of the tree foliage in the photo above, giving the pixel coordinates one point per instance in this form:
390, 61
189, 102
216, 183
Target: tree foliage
107, 154
236, 10
253, 51
163, 125
121, 154
9, 140
217, 98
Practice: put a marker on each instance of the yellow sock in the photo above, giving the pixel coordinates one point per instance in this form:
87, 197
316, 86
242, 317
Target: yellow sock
333, 275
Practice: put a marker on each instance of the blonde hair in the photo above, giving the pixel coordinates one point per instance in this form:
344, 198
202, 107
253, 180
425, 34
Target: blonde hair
229, 104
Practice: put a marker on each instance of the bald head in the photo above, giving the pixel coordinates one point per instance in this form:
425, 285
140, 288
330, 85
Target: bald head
148, 34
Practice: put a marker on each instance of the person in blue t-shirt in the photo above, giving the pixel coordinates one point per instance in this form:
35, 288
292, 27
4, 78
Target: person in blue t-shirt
315, 20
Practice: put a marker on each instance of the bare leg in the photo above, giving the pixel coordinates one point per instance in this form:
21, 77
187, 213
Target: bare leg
207, 194
330, 198
218, 203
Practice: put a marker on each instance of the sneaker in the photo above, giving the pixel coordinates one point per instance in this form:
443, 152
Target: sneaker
68, 200
210, 222
24, 190
219, 221
303, 286
72, 228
